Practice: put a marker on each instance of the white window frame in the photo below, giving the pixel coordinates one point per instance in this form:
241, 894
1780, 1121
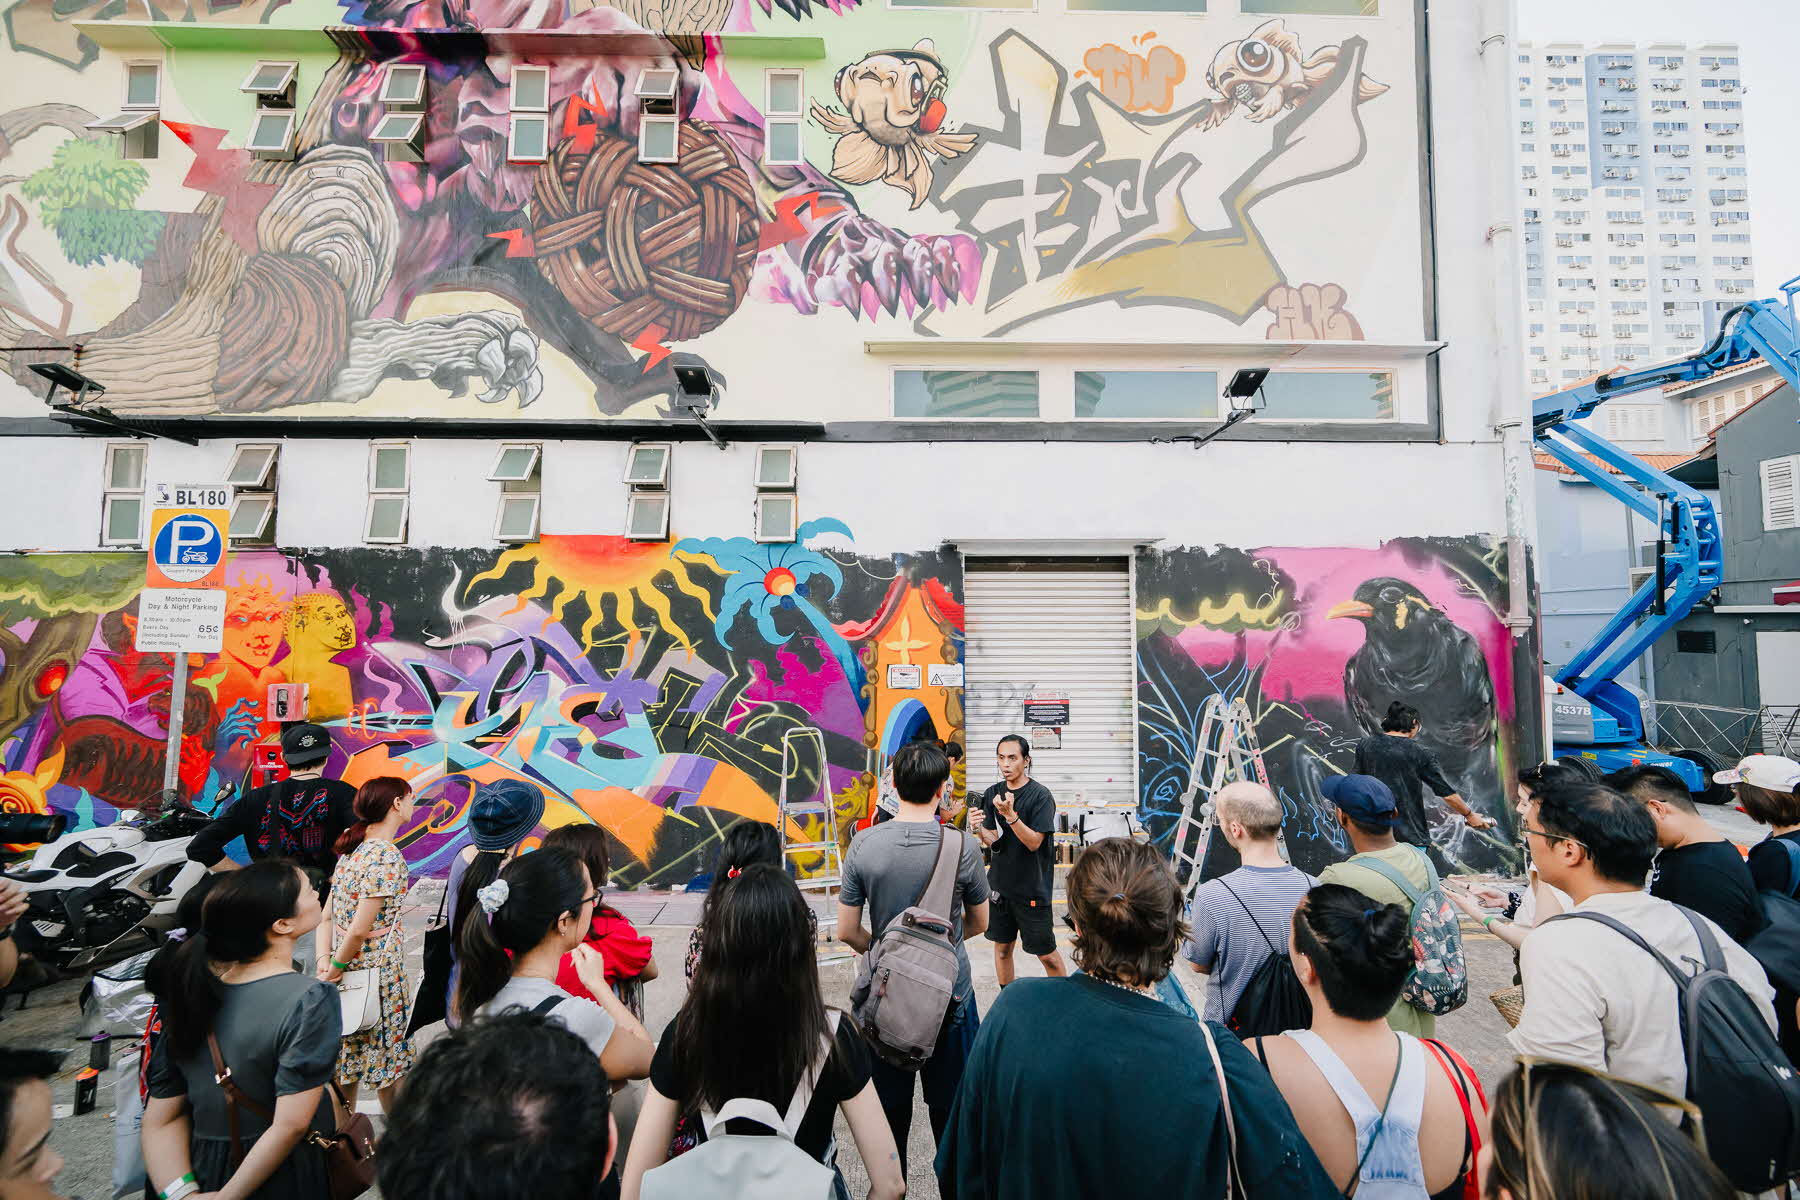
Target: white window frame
1776, 475
131, 105
660, 480
794, 118
111, 494
523, 114
645, 125
287, 80
513, 498
136, 122
657, 83
793, 468
531, 464
632, 504
264, 530
780, 536
278, 150
243, 450
412, 97
375, 449
369, 518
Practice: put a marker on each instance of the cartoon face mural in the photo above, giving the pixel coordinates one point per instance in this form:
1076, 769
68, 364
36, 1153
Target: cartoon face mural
1318, 643
1003, 173
662, 691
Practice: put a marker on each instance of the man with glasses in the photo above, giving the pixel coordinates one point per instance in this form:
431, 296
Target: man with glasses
1592, 997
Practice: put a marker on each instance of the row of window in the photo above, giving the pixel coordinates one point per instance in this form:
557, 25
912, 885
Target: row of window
517, 468
1185, 395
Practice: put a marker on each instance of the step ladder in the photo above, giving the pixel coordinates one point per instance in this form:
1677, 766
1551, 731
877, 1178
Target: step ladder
818, 846
1226, 751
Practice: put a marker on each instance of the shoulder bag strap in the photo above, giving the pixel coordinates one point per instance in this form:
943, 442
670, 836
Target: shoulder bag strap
1234, 1178
1394, 877
234, 1096
546, 1006
1675, 973
1273, 948
443, 899
1710, 953
1460, 1083
1793, 854
940, 887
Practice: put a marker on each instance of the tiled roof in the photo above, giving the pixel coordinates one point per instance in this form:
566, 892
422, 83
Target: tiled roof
1662, 462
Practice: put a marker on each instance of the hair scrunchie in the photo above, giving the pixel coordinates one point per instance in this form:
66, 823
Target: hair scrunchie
493, 896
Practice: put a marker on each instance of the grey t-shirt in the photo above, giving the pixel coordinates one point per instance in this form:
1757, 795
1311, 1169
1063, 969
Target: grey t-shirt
887, 868
1232, 944
579, 1015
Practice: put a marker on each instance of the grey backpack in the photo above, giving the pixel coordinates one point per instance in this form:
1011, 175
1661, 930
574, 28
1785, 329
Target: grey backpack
740, 1166
908, 977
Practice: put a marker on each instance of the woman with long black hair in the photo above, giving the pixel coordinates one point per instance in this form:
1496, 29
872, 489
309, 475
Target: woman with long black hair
754, 1023
229, 993
501, 816
539, 909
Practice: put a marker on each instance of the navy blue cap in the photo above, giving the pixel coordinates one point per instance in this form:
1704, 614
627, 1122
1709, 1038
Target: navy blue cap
1362, 797
503, 813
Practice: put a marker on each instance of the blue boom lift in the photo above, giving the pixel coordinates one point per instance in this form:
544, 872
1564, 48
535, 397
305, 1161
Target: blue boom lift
1689, 558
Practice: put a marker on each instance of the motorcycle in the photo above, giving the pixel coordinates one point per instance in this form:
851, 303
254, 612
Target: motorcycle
101, 892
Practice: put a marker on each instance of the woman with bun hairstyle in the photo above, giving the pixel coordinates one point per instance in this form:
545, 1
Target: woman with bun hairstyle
1391, 1116
513, 940
231, 981
1054, 1117
365, 935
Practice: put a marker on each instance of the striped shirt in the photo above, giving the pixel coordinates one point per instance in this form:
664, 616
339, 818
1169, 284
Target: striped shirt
1228, 941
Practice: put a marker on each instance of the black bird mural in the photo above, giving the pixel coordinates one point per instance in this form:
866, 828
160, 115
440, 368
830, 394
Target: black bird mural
1419, 656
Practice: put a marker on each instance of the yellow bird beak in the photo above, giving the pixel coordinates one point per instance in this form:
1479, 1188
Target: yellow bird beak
1351, 608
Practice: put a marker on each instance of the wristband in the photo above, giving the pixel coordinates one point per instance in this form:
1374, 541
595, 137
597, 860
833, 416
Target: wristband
187, 1185
1487, 923
342, 966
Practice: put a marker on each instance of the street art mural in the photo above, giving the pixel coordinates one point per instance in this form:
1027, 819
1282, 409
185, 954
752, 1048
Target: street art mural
959, 174
1319, 642
662, 691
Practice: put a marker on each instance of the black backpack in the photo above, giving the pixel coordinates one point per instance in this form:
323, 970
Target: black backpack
1747, 1094
1273, 1001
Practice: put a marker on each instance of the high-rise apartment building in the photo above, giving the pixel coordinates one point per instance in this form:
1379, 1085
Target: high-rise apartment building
1633, 189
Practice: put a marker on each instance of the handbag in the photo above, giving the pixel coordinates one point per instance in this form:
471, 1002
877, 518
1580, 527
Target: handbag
349, 1153
430, 1005
1509, 1002
359, 997
1234, 1175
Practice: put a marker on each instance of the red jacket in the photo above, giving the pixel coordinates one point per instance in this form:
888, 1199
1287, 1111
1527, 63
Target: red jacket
618, 941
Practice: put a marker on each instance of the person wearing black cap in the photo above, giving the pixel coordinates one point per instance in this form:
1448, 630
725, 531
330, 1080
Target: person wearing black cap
298, 819
1368, 813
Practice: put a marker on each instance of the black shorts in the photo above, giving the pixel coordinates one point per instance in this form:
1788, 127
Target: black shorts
1021, 921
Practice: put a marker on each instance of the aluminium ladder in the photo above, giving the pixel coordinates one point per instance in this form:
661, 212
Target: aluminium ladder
1226, 751
815, 815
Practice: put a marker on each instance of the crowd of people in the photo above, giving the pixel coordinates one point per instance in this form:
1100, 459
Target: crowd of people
1312, 1069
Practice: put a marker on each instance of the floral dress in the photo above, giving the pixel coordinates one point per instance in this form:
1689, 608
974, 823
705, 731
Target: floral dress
381, 1054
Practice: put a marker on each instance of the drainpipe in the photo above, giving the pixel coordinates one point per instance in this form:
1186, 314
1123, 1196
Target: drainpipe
1509, 412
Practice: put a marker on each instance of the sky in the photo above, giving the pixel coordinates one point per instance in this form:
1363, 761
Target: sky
1766, 32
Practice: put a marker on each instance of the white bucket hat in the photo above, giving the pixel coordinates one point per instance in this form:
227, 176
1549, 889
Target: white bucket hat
1770, 771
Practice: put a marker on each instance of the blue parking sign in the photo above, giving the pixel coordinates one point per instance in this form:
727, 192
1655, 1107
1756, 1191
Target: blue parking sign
188, 547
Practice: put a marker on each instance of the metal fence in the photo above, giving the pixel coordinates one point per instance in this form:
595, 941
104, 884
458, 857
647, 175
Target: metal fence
1728, 734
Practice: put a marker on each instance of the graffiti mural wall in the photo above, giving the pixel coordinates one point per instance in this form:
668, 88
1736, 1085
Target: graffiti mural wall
929, 171
660, 690
1319, 642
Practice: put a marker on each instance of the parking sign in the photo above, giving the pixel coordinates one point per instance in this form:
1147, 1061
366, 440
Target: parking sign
187, 547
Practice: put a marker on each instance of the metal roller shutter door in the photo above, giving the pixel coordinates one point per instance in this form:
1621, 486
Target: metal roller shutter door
1064, 628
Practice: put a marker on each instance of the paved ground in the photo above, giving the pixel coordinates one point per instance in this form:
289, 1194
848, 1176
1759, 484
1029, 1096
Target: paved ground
51, 1017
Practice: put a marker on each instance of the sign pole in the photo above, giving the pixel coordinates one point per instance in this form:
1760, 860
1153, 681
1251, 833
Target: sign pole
177, 703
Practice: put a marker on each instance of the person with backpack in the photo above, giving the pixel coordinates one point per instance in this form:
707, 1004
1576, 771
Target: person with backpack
1089, 1086
1696, 866
894, 870
754, 1069
1649, 991
1240, 920
1562, 1132
1391, 1116
1394, 872
540, 908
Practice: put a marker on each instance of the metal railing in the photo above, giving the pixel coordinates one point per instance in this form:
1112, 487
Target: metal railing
1728, 733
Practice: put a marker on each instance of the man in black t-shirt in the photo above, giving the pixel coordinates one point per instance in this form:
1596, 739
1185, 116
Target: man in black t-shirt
1016, 820
1395, 757
1696, 867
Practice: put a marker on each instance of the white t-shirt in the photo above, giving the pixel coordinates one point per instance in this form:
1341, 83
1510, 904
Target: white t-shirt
1595, 999
580, 1016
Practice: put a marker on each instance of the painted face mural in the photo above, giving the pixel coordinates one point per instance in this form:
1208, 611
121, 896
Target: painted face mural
893, 118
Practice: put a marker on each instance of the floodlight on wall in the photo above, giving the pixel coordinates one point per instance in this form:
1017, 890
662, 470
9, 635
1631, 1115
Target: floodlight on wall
82, 391
696, 391
1243, 395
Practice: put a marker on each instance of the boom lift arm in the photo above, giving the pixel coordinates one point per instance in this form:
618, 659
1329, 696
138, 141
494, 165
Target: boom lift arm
1689, 559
